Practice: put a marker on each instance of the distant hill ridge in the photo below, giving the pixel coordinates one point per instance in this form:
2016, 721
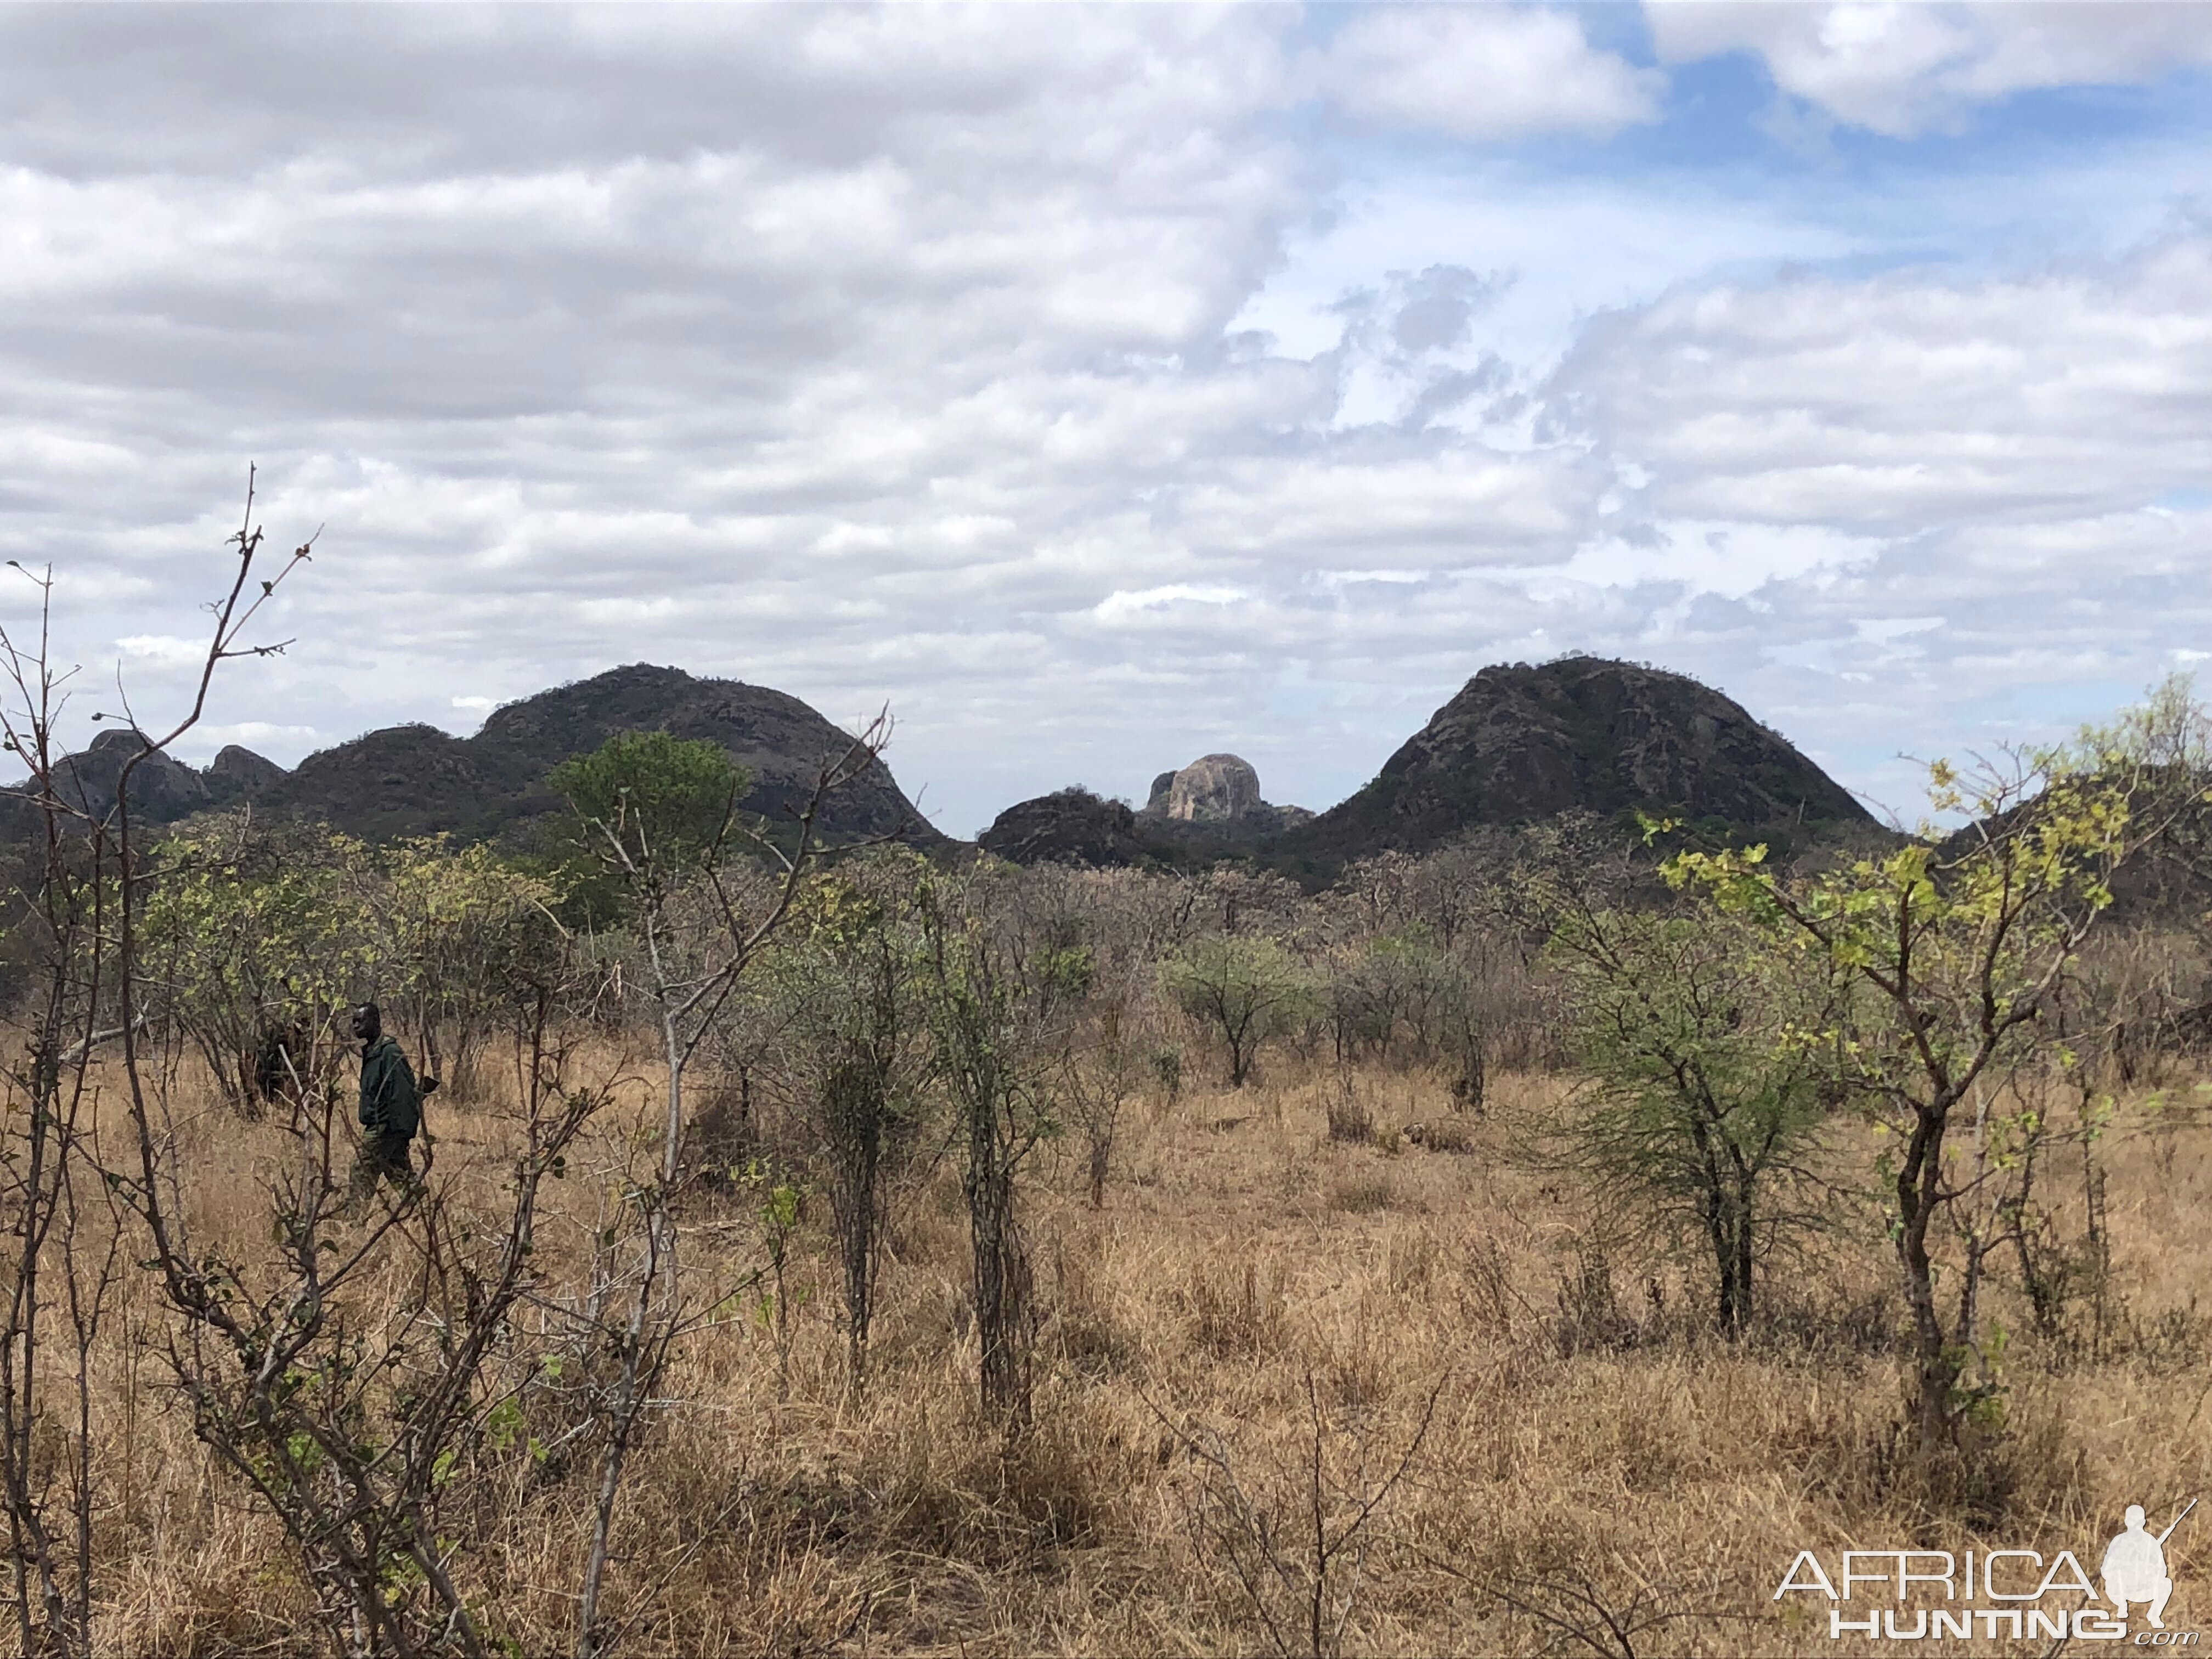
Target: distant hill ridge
417, 780
1518, 745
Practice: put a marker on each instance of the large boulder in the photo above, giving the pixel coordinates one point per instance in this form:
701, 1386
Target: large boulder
242, 772
1215, 789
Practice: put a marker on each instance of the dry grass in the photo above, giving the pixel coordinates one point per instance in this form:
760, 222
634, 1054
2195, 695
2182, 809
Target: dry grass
1588, 1439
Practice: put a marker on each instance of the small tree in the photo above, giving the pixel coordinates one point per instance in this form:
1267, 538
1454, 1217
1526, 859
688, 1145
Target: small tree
848, 1055
1247, 990
456, 928
64, 1256
988, 1057
250, 934
1957, 947
1702, 1097
658, 812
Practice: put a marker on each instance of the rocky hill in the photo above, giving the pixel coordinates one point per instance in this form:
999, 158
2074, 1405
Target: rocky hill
1072, 826
1195, 816
1520, 743
417, 780
1218, 795
162, 790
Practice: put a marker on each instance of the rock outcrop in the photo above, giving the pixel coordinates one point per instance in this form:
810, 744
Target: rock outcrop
1520, 743
1070, 826
162, 790
1191, 816
1216, 789
1218, 794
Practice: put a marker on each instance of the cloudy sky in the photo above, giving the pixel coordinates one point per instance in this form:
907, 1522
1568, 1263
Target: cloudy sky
1102, 387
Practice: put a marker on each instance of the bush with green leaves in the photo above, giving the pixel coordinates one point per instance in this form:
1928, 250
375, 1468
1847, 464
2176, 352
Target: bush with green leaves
842, 995
658, 804
1245, 990
1958, 949
461, 938
253, 934
1702, 1097
256, 935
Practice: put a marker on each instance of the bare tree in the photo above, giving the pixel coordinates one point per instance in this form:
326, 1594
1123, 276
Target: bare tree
64, 1248
660, 814
1296, 1538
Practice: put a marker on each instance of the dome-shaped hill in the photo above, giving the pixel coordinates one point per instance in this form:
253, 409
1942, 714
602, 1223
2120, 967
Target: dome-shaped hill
1520, 743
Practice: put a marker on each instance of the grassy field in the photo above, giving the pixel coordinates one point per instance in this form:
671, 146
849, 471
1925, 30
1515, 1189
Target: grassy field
1261, 1325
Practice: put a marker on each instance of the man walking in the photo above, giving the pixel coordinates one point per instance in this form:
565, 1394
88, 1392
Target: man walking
391, 1111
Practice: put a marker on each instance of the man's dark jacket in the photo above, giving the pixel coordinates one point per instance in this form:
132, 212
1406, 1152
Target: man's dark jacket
390, 1104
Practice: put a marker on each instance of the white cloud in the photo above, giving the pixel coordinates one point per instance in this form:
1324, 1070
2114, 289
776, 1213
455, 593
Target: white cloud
1122, 606
917, 355
255, 734
1481, 72
1898, 403
164, 648
1906, 67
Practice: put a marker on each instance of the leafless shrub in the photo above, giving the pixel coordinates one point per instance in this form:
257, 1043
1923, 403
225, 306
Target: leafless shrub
1296, 1537
1579, 1607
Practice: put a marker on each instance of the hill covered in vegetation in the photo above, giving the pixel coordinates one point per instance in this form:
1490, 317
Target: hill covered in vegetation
1521, 744
415, 779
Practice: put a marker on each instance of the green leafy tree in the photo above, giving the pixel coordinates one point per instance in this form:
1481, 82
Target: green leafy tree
1956, 947
1245, 989
461, 935
1702, 1100
653, 807
251, 936
850, 1054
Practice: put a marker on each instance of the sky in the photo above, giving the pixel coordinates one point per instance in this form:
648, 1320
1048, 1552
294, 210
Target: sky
1100, 388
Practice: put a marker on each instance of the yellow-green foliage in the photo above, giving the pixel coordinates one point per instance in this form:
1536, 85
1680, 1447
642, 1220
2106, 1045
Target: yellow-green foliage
455, 927
1244, 989
246, 927
249, 928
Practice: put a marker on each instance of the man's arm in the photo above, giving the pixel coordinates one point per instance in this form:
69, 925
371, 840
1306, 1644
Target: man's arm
376, 1089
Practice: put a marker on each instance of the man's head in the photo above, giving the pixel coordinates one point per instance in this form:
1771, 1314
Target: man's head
367, 1024
2134, 1518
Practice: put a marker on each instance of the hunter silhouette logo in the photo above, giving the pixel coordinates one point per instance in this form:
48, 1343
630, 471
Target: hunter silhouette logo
2135, 1566
2017, 1595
